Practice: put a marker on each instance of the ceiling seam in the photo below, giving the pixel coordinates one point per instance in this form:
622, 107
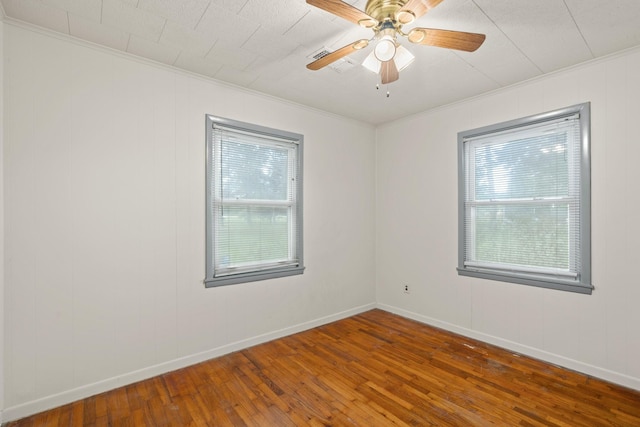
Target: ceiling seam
507, 37
202, 16
215, 42
578, 28
296, 23
162, 31
177, 57
243, 6
252, 34
478, 70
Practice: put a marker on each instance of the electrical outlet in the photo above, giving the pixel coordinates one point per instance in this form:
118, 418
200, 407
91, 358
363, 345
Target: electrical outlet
406, 289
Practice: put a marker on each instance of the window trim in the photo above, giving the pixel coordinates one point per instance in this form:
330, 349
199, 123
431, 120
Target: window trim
211, 280
582, 284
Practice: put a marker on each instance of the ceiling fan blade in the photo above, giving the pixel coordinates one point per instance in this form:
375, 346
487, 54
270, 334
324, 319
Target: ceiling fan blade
417, 8
389, 72
334, 56
343, 10
458, 40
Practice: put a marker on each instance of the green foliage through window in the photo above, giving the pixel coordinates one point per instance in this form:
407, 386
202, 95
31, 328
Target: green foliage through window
524, 201
254, 209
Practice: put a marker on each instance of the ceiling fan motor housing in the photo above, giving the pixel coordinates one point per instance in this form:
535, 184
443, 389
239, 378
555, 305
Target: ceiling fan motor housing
384, 9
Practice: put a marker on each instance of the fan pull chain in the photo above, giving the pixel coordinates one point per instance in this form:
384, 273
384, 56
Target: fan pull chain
378, 88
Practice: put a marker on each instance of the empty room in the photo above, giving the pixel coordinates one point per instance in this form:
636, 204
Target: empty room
320, 212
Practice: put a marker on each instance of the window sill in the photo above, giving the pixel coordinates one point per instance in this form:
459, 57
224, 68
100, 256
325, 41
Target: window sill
529, 279
252, 276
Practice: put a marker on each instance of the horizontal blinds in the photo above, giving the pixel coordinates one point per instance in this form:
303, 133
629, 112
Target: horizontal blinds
254, 201
521, 201
257, 137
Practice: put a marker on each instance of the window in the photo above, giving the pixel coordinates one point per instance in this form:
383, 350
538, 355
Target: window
254, 203
524, 201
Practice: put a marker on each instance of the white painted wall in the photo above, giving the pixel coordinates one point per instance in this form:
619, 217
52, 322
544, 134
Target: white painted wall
1, 215
104, 224
105, 219
417, 226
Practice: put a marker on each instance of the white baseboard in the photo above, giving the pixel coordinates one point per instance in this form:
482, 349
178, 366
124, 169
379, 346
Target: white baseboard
69, 396
575, 365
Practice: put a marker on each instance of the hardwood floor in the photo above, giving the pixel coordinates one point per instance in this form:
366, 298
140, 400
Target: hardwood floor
373, 369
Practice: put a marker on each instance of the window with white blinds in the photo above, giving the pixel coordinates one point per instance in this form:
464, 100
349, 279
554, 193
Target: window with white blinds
254, 202
524, 202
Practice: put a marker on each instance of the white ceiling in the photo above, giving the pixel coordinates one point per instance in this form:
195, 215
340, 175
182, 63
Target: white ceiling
264, 45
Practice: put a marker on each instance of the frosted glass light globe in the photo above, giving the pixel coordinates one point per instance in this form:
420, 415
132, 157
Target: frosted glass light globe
385, 50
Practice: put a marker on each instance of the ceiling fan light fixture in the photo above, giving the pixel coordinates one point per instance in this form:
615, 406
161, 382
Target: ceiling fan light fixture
403, 58
385, 49
371, 63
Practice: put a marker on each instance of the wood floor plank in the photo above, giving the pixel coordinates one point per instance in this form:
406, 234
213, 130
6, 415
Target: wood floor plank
373, 369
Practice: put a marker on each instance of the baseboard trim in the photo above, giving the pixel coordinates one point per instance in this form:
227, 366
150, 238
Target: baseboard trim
69, 396
565, 362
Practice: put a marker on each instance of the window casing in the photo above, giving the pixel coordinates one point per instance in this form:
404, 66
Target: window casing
254, 203
524, 201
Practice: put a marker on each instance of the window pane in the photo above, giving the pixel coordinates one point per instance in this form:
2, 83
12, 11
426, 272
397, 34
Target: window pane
528, 168
525, 235
255, 172
524, 200
256, 235
254, 203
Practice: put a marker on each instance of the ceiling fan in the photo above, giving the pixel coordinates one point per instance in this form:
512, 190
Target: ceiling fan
386, 18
